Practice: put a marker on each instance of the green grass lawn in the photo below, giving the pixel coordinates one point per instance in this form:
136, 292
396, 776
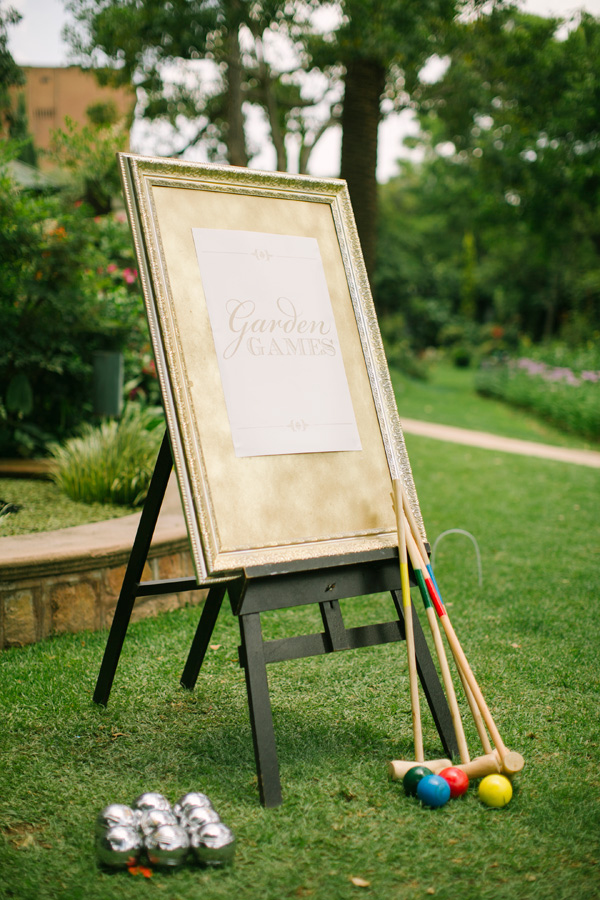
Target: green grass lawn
44, 507
448, 398
530, 632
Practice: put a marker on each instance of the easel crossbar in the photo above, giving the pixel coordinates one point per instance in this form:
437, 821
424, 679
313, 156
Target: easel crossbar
167, 586
317, 644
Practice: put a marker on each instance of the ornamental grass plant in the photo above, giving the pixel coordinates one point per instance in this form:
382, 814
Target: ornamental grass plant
111, 462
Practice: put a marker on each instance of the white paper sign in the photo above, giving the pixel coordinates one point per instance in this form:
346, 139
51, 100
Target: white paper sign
279, 355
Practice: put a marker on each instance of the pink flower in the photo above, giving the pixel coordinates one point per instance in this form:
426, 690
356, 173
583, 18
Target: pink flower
130, 275
111, 267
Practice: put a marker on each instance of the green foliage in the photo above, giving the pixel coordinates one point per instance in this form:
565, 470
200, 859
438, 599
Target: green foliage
158, 47
20, 135
584, 357
569, 398
103, 114
398, 350
87, 154
419, 255
10, 73
68, 288
448, 397
515, 115
112, 462
43, 319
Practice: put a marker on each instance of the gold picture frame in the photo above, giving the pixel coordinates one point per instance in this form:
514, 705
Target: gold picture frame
270, 510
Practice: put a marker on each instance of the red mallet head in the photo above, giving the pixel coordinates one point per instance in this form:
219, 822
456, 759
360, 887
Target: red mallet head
457, 779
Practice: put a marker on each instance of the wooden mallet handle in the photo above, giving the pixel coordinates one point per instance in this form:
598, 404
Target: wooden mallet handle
459, 732
398, 768
490, 764
511, 761
408, 623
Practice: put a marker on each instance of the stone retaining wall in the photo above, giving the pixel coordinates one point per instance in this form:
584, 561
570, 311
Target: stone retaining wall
35, 608
69, 580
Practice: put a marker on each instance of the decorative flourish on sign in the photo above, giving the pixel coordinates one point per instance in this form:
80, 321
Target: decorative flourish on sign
297, 425
262, 255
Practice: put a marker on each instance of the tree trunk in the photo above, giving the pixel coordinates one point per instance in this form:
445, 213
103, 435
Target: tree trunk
364, 84
236, 139
271, 107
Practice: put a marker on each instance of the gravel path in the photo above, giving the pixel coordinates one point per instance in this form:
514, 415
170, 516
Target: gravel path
506, 445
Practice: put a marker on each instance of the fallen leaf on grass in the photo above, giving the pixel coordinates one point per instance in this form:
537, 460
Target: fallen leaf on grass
25, 835
215, 646
141, 870
359, 882
25, 843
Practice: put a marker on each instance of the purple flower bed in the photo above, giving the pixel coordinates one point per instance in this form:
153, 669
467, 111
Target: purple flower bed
554, 373
566, 397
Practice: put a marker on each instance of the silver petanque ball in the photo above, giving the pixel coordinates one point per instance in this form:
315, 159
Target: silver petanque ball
194, 817
194, 798
153, 818
115, 814
167, 845
119, 847
151, 800
213, 844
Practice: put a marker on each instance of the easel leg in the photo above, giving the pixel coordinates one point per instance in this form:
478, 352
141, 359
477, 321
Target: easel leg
133, 573
333, 622
430, 681
261, 718
206, 625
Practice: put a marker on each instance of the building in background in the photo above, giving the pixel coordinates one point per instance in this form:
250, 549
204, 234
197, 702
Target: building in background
51, 94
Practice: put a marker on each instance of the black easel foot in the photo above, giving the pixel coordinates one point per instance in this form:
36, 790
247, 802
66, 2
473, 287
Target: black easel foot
261, 717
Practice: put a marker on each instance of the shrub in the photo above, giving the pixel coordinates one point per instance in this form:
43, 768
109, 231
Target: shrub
44, 318
68, 288
566, 398
112, 462
398, 350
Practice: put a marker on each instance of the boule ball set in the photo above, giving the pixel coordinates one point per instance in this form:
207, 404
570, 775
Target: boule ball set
190, 831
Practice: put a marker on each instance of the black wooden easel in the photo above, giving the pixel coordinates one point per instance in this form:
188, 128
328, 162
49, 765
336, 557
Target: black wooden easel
261, 589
